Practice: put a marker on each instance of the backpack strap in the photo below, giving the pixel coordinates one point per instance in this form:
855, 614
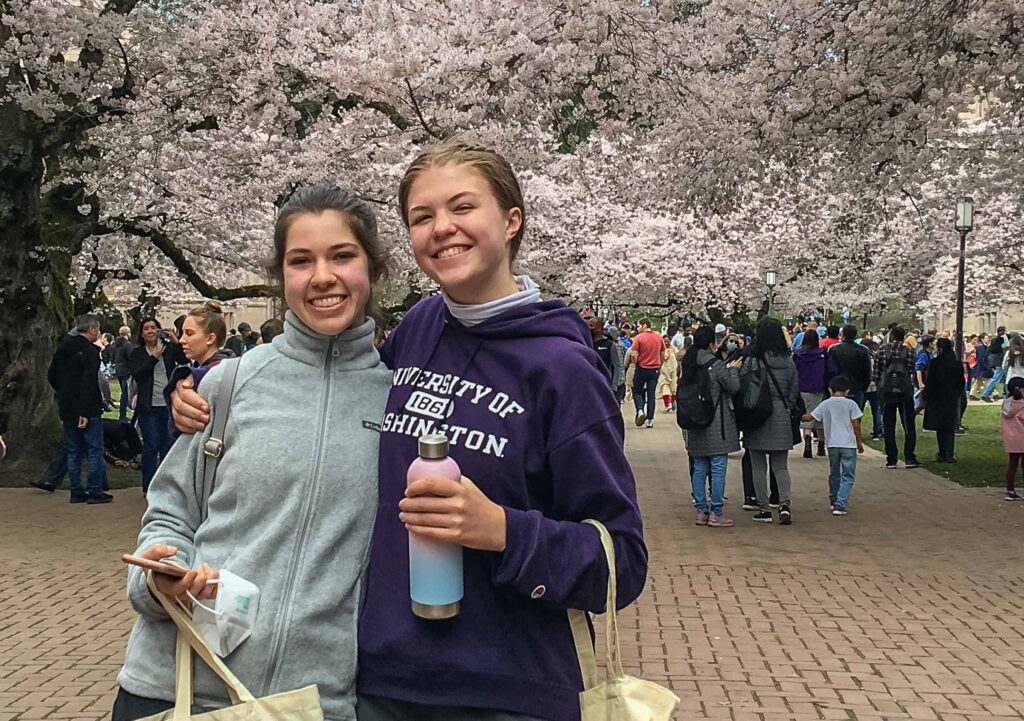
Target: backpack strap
213, 448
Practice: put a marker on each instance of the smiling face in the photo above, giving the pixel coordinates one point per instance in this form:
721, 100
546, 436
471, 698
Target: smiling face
326, 273
460, 234
198, 346
149, 332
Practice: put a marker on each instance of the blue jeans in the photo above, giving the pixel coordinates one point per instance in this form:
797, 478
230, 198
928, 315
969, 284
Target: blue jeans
645, 383
156, 441
85, 444
125, 400
704, 466
999, 374
842, 470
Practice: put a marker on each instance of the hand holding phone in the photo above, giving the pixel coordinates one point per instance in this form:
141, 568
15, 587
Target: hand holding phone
174, 581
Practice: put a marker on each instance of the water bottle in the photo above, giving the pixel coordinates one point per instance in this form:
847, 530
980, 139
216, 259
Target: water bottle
435, 567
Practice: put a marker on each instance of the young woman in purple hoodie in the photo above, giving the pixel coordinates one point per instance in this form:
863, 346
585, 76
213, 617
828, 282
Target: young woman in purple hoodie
531, 419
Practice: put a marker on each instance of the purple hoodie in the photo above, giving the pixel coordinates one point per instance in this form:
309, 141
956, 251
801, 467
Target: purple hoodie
534, 424
810, 369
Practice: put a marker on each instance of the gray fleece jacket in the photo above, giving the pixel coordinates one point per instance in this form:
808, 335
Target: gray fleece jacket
292, 511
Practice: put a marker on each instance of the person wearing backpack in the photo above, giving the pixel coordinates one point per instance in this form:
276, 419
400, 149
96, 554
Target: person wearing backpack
704, 411
896, 396
769, 443
996, 352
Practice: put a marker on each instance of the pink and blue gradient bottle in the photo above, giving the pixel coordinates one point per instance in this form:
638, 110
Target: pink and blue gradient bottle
435, 567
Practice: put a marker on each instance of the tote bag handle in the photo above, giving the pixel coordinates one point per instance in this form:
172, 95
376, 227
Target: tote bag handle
189, 640
581, 629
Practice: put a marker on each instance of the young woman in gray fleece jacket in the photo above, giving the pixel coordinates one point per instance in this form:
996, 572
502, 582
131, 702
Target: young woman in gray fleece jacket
290, 511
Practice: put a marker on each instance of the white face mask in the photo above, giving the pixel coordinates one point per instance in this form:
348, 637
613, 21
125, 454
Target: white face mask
225, 626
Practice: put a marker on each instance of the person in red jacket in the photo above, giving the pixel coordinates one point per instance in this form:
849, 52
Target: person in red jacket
646, 352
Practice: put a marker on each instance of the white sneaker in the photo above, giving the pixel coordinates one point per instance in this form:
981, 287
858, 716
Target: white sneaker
640, 418
649, 423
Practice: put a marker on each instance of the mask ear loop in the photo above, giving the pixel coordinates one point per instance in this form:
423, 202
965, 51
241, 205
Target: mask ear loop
196, 601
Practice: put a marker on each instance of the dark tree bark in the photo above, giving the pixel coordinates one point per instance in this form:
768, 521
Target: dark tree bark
35, 295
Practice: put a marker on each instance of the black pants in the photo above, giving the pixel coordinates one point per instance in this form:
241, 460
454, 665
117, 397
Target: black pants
749, 494
129, 707
906, 413
645, 384
947, 444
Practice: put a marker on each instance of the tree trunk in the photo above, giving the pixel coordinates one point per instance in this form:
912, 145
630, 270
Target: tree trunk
35, 295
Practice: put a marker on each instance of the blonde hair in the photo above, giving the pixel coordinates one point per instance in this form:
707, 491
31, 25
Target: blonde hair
211, 320
487, 162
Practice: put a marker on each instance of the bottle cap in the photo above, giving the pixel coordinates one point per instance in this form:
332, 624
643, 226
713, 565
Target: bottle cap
433, 446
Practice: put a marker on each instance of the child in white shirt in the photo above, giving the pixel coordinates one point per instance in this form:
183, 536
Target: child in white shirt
841, 418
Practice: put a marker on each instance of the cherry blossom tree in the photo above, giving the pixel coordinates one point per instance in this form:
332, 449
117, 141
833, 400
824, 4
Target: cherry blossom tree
670, 150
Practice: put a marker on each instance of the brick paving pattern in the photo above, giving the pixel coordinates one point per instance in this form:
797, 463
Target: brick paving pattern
909, 608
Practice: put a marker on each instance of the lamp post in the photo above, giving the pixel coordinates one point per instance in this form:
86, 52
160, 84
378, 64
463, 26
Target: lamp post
769, 280
964, 222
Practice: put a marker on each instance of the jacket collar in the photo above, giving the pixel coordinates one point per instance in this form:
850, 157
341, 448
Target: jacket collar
350, 350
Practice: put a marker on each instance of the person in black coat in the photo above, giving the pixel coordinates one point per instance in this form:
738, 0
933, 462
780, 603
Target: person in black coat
943, 392
151, 364
123, 348
74, 376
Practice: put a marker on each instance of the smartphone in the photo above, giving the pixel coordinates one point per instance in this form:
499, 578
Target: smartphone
155, 566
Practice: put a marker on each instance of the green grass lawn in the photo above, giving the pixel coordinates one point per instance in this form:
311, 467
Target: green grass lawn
982, 461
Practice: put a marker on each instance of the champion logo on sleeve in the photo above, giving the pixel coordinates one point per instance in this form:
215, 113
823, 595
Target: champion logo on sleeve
538, 592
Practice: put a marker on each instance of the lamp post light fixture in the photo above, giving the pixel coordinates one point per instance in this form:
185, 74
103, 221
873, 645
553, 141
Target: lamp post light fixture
770, 279
963, 223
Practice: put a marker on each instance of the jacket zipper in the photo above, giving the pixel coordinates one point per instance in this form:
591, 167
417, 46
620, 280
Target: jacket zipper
300, 544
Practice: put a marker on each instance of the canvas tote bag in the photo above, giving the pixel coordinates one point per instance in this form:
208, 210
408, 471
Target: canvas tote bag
300, 705
619, 697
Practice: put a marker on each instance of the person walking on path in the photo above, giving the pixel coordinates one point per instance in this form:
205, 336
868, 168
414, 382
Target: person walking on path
867, 340
646, 351
893, 377
942, 393
982, 372
1013, 361
850, 359
770, 444
809, 360
606, 350
1011, 422
151, 363
73, 374
668, 377
840, 416
831, 337
123, 348
996, 353
709, 447
619, 373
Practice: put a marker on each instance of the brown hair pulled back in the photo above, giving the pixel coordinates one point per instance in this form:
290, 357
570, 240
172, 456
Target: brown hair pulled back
211, 320
487, 162
318, 199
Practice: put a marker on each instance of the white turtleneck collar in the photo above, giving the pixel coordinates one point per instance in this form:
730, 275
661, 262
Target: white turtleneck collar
471, 315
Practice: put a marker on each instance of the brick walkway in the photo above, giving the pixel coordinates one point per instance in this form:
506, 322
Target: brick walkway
908, 608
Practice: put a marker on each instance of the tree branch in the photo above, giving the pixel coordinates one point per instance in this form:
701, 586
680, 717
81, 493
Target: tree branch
416, 107
163, 242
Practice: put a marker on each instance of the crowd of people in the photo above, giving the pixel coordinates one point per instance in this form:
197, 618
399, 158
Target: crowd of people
313, 502
85, 364
820, 379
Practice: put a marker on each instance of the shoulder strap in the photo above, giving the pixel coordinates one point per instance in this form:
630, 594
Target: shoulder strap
213, 449
768, 369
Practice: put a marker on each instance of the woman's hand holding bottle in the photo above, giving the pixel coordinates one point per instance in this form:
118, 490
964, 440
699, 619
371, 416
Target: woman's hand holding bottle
447, 510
